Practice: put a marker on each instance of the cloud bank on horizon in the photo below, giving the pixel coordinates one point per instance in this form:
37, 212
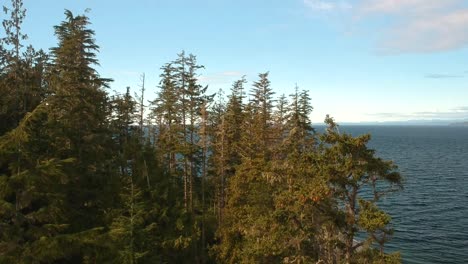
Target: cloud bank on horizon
458, 113
410, 26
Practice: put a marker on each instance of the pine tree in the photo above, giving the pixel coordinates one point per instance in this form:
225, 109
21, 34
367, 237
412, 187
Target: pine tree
149, 224
83, 179
128, 217
129, 228
195, 99
77, 118
280, 118
261, 107
177, 109
301, 193
21, 70
226, 145
182, 79
248, 232
32, 180
166, 111
352, 166
204, 145
216, 161
32, 195
234, 118
299, 127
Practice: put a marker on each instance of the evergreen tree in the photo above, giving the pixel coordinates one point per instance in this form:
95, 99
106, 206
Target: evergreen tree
280, 127
77, 117
299, 127
246, 231
195, 99
83, 179
301, 192
32, 196
178, 109
181, 82
261, 107
351, 166
226, 145
136, 217
21, 70
234, 119
166, 112
128, 217
32, 180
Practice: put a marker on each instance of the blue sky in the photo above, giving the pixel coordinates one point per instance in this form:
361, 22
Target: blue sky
361, 60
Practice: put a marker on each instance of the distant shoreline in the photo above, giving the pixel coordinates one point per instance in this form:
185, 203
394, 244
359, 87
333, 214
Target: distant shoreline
453, 123
463, 124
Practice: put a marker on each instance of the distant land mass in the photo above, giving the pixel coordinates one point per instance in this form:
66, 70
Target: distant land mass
465, 123
432, 122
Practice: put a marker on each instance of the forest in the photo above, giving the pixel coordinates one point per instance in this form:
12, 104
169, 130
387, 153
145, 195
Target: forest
90, 176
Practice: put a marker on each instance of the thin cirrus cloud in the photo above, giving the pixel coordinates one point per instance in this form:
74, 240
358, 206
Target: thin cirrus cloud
414, 26
322, 5
418, 26
403, 6
442, 76
429, 33
455, 113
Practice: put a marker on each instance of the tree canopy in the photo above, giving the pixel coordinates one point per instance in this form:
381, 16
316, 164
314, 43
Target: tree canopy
90, 176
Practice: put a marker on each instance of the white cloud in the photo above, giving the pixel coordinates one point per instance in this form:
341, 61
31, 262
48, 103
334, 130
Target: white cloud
439, 32
403, 6
418, 26
410, 26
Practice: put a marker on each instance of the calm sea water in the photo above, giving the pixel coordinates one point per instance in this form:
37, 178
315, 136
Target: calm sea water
430, 215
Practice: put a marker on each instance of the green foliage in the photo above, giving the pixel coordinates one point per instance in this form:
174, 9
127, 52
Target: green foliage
32, 193
373, 256
21, 70
83, 180
351, 166
371, 218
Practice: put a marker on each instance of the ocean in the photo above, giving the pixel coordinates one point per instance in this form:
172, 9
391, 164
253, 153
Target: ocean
430, 216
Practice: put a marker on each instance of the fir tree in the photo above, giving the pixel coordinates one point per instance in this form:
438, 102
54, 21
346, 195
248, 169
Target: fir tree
351, 166
261, 107
83, 179
78, 120
299, 127
32, 195
166, 112
226, 145
21, 70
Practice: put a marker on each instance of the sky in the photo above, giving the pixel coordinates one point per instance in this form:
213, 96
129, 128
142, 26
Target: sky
361, 60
